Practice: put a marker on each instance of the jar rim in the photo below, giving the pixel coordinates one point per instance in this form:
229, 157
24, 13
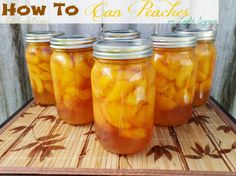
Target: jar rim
72, 41
122, 49
41, 36
124, 34
173, 40
201, 34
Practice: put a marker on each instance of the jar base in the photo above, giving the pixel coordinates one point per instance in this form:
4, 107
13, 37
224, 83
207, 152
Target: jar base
175, 117
121, 145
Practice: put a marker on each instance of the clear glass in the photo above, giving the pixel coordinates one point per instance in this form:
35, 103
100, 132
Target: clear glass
206, 56
123, 102
71, 70
175, 85
38, 57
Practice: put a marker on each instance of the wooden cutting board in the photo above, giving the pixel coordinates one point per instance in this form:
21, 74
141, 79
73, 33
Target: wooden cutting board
36, 141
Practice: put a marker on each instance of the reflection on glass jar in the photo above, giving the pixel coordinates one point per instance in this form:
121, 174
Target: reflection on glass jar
38, 55
206, 56
71, 66
123, 95
175, 66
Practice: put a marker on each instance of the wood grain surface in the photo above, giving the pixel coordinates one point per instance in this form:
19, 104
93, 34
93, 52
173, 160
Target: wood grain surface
37, 141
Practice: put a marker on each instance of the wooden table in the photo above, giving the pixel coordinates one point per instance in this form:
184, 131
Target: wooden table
36, 141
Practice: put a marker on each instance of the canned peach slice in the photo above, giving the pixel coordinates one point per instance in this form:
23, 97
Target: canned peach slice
44, 66
33, 84
45, 76
201, 76
44, 52
100, 119
84, 69
48, 86
206, 85
196, 86
165, 103
85, 94
136, 133
69, 102
183, 97
31, 49
171, 91
32, 59
161, 84
63, 59
89, 58
56, 69
68, 79
201, 48
120, 90
131, 99
38, 83
184, 74
132, 77
136, 97
168, 89
34, 69
159, 57
162, 70
71, 91
118, 116
103, 84
59, 92
143, 117
204, 66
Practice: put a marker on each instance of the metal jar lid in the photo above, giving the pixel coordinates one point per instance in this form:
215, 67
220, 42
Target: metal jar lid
171, 40
122, 49
202, 35
72, 42
41, 36
120, 34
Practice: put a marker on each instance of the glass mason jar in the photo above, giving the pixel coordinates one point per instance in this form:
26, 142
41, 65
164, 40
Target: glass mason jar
38, 55
123, 85
128, 34
71, 65
175, 66
206, 56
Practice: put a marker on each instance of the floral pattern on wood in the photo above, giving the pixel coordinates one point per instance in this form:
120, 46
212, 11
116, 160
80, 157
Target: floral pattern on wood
20, 128
26, 113
90, 132
199, 119
226, 129
40, 147
201, 152
234, 145
43, 146
50, 118
126, 158
162, 150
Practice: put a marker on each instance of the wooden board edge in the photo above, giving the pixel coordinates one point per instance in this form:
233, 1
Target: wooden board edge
70, 171
15, 116
223, 113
